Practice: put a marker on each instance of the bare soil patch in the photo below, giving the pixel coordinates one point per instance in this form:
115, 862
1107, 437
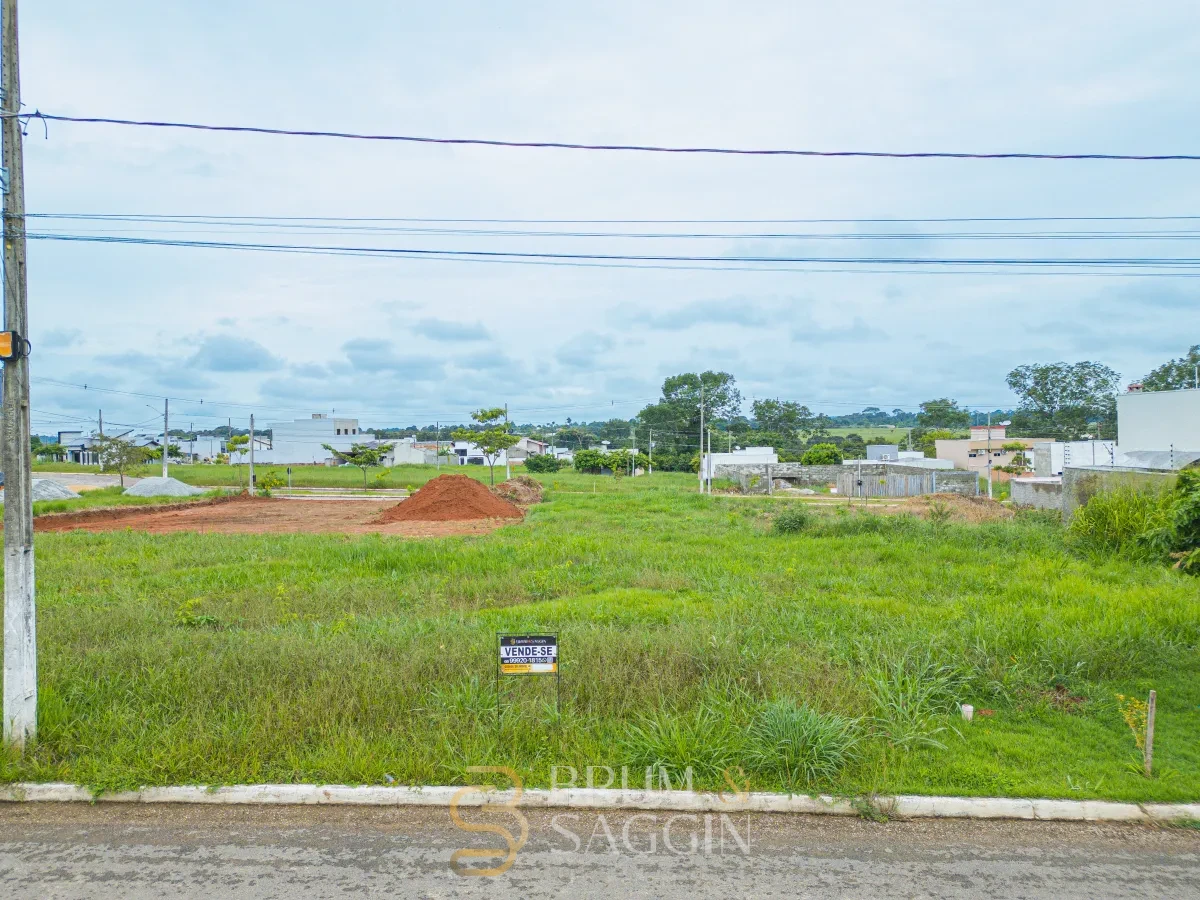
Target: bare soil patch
451, 498
261, 515
521, 489
958, 507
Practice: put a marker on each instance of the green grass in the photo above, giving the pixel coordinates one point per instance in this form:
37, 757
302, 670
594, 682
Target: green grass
302, 476
106, 497
689, 631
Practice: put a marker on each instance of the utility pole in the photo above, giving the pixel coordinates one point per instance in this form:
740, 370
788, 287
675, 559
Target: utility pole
166, 436
251, 485
191, 441
702, 435
437, 443
651, 451
100, 419
989, 453
507, 465
20, 636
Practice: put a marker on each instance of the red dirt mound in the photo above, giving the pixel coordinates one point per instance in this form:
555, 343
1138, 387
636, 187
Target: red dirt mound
449, 498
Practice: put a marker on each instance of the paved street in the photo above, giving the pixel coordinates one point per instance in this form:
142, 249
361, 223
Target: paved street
76, 851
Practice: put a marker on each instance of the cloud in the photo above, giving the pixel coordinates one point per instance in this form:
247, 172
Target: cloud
581, 351
443, 330
233, 354
375, 356
60, 337
730, 311
857, 330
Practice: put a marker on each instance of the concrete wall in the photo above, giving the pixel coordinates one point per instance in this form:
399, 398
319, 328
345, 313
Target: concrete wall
753, 478
1037, 493
1082, 483
1158, 420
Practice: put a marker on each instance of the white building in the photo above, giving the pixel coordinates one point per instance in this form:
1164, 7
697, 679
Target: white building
1158, 420
912, 458
465, 453
301, 441
407, 451
1049, 457
741, 456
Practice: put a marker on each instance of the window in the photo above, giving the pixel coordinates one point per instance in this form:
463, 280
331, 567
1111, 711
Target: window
339, 431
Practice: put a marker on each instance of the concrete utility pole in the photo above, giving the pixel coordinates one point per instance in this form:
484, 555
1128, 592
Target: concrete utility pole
100, 419
702, 435
250, 486
989, 453
20, 635
166, 436
651, 451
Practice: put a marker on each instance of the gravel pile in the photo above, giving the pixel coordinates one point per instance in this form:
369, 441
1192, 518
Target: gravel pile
47, 489
162, 487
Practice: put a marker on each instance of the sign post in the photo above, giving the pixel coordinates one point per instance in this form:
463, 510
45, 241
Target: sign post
527, 654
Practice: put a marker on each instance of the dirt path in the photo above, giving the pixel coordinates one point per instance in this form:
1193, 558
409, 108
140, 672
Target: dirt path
259, 515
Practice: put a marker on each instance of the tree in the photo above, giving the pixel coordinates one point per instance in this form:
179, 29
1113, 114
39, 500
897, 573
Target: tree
362, 456
54, 451
822, 455
943, 413
1174, 374
239, 444
781, 415
1019, 461
580, 437
854, 447
490, 435
675, 419
1064, 400
589, 461
616, 431
119, 454
926, 440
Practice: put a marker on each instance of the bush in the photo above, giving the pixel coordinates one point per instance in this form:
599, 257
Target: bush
267, 482
792, 520
543, 463
800, 745
1123, 521
705, 740
822, 455
589, 461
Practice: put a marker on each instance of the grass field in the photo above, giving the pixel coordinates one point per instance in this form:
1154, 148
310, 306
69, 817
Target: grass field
105, 497
692, 634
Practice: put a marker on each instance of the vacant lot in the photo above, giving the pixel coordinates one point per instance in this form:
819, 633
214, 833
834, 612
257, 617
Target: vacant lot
259, 515
689, 629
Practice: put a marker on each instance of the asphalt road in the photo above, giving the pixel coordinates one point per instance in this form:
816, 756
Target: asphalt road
61, 851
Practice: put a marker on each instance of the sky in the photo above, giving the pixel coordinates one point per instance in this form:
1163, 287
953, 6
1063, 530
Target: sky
402, 341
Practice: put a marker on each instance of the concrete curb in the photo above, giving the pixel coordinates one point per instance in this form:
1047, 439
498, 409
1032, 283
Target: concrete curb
904, 807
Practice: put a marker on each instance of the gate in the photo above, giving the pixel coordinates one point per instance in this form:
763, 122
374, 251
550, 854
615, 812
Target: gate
853, 484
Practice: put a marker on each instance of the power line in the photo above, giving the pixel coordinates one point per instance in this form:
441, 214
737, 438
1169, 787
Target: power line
1175, 265
634, 148
152, 217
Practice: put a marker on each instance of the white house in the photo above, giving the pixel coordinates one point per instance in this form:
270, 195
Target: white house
465, 453
301, 440
740, 456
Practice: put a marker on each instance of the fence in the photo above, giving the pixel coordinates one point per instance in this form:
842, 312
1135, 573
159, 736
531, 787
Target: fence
854, 484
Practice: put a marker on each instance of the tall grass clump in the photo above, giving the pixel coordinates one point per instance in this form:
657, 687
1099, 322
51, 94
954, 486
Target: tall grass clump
799, 745
910, 693
1123, 521
792, 520
704, 739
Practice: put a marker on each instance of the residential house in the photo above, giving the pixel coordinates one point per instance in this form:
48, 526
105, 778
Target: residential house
302, 441
985, 444
742, 456
527, 447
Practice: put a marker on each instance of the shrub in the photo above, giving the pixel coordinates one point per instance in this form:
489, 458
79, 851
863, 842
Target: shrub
704, 740
589, 461
910, 692
821, 455
543, 463
1122, 521
800, 745
792, 520
267, 482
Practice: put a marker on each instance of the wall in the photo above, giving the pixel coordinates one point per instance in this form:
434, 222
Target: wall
1158, 420
753, 478
1037, 493
1082, 483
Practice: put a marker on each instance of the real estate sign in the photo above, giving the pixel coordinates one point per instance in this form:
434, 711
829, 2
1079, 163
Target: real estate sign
529, 654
